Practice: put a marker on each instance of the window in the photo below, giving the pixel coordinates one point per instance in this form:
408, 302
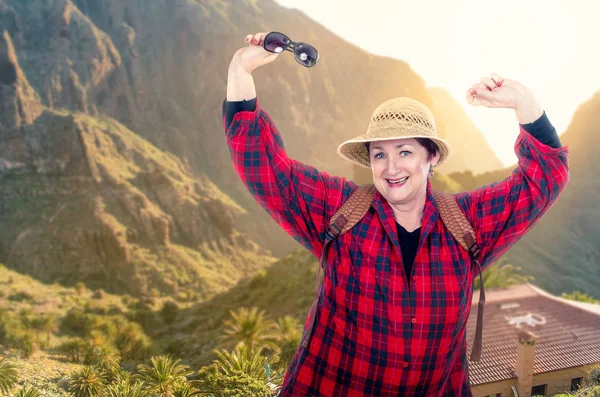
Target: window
576, 383
538, 390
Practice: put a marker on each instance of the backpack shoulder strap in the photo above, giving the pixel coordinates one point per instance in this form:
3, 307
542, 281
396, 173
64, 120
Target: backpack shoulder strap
352, 211
462, 231
348, 215
456, 222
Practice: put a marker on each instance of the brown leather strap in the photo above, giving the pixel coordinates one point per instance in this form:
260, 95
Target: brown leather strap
454, 219
478, 341
462, 231
355, 208
348, 215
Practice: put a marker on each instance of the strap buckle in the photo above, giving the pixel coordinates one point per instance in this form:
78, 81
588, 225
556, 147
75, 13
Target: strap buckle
333, 230
474, 250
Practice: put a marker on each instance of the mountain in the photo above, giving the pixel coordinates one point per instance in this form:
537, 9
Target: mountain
160, 69
83, 198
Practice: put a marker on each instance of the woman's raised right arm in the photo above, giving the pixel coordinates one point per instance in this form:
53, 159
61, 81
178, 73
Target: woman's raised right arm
297, 196
240, 84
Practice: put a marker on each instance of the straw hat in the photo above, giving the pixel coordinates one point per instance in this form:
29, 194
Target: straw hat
394, 119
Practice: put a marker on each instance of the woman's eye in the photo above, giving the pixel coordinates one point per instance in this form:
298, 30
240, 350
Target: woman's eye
378, 156
405, 151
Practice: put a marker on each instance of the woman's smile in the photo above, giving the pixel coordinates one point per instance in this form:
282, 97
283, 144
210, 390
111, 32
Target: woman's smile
396, 183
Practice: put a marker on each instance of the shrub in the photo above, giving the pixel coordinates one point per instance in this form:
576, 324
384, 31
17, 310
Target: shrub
9, 375
28, 392
593, 376
163, 375
89, 382
133, 343
99, 294
144, 315
169, 312
25, 343
79, 288
74, 349
235, 383
79, 322
104, 356
259, 280
21, 296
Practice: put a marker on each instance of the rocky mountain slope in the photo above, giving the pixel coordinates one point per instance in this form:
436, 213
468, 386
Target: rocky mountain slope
85, 198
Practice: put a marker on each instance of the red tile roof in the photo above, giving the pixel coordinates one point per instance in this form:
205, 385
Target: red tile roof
568, 334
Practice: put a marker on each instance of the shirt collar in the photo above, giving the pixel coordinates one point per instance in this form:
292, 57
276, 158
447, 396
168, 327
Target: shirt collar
386, 215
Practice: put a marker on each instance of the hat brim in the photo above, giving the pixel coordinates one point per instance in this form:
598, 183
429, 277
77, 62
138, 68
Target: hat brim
355, 151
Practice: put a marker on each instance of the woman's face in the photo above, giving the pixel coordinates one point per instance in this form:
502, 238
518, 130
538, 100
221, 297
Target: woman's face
400, 168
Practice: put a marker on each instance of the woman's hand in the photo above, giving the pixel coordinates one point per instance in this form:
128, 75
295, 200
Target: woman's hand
498, 92
254, 55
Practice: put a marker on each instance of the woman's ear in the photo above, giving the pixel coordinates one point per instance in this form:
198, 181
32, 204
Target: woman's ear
435, 158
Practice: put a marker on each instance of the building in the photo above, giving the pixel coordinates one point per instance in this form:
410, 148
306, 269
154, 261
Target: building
534, 343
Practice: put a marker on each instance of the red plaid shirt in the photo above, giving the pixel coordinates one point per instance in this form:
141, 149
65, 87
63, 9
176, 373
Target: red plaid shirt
373, 336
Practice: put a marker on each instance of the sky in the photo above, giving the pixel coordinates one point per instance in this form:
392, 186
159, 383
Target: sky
551, 46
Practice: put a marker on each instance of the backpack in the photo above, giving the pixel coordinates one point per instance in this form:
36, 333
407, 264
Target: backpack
355, 208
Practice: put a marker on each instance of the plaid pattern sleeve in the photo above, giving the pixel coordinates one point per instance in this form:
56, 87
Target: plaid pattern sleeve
502, 212
297, 196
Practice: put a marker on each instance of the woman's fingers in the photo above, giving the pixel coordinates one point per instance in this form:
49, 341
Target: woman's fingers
490, 84
497, 79
257, 38
261, 38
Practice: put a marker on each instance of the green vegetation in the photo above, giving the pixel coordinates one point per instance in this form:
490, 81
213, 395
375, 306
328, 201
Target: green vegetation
580, 296
102, 344
8, 375
502, 275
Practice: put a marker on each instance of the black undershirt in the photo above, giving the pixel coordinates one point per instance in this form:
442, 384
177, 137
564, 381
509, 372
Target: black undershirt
409, 241
541, 129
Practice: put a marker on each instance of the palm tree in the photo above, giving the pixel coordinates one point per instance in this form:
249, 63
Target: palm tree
249, 328
9, 375
49, 325
105, 356
163, 376
123, 386
289, 335
501, 275
186, 390
28, 392
89, 382
250, 361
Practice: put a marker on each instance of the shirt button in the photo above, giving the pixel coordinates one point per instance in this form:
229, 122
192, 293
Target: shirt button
405, 364
414, 320
414, 277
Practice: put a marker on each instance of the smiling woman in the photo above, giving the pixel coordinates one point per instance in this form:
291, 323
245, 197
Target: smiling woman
390, 316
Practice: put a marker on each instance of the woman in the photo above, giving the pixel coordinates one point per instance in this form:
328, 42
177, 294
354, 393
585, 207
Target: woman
397, 290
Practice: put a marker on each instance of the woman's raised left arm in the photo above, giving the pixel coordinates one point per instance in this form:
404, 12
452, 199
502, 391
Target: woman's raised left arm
503, 212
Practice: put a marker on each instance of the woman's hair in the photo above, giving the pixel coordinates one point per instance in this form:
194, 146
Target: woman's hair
427, 143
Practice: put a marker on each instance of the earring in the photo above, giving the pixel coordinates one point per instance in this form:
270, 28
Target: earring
431, 172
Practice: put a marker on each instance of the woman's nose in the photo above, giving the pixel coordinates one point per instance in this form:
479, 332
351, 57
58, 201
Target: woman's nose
392, 167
